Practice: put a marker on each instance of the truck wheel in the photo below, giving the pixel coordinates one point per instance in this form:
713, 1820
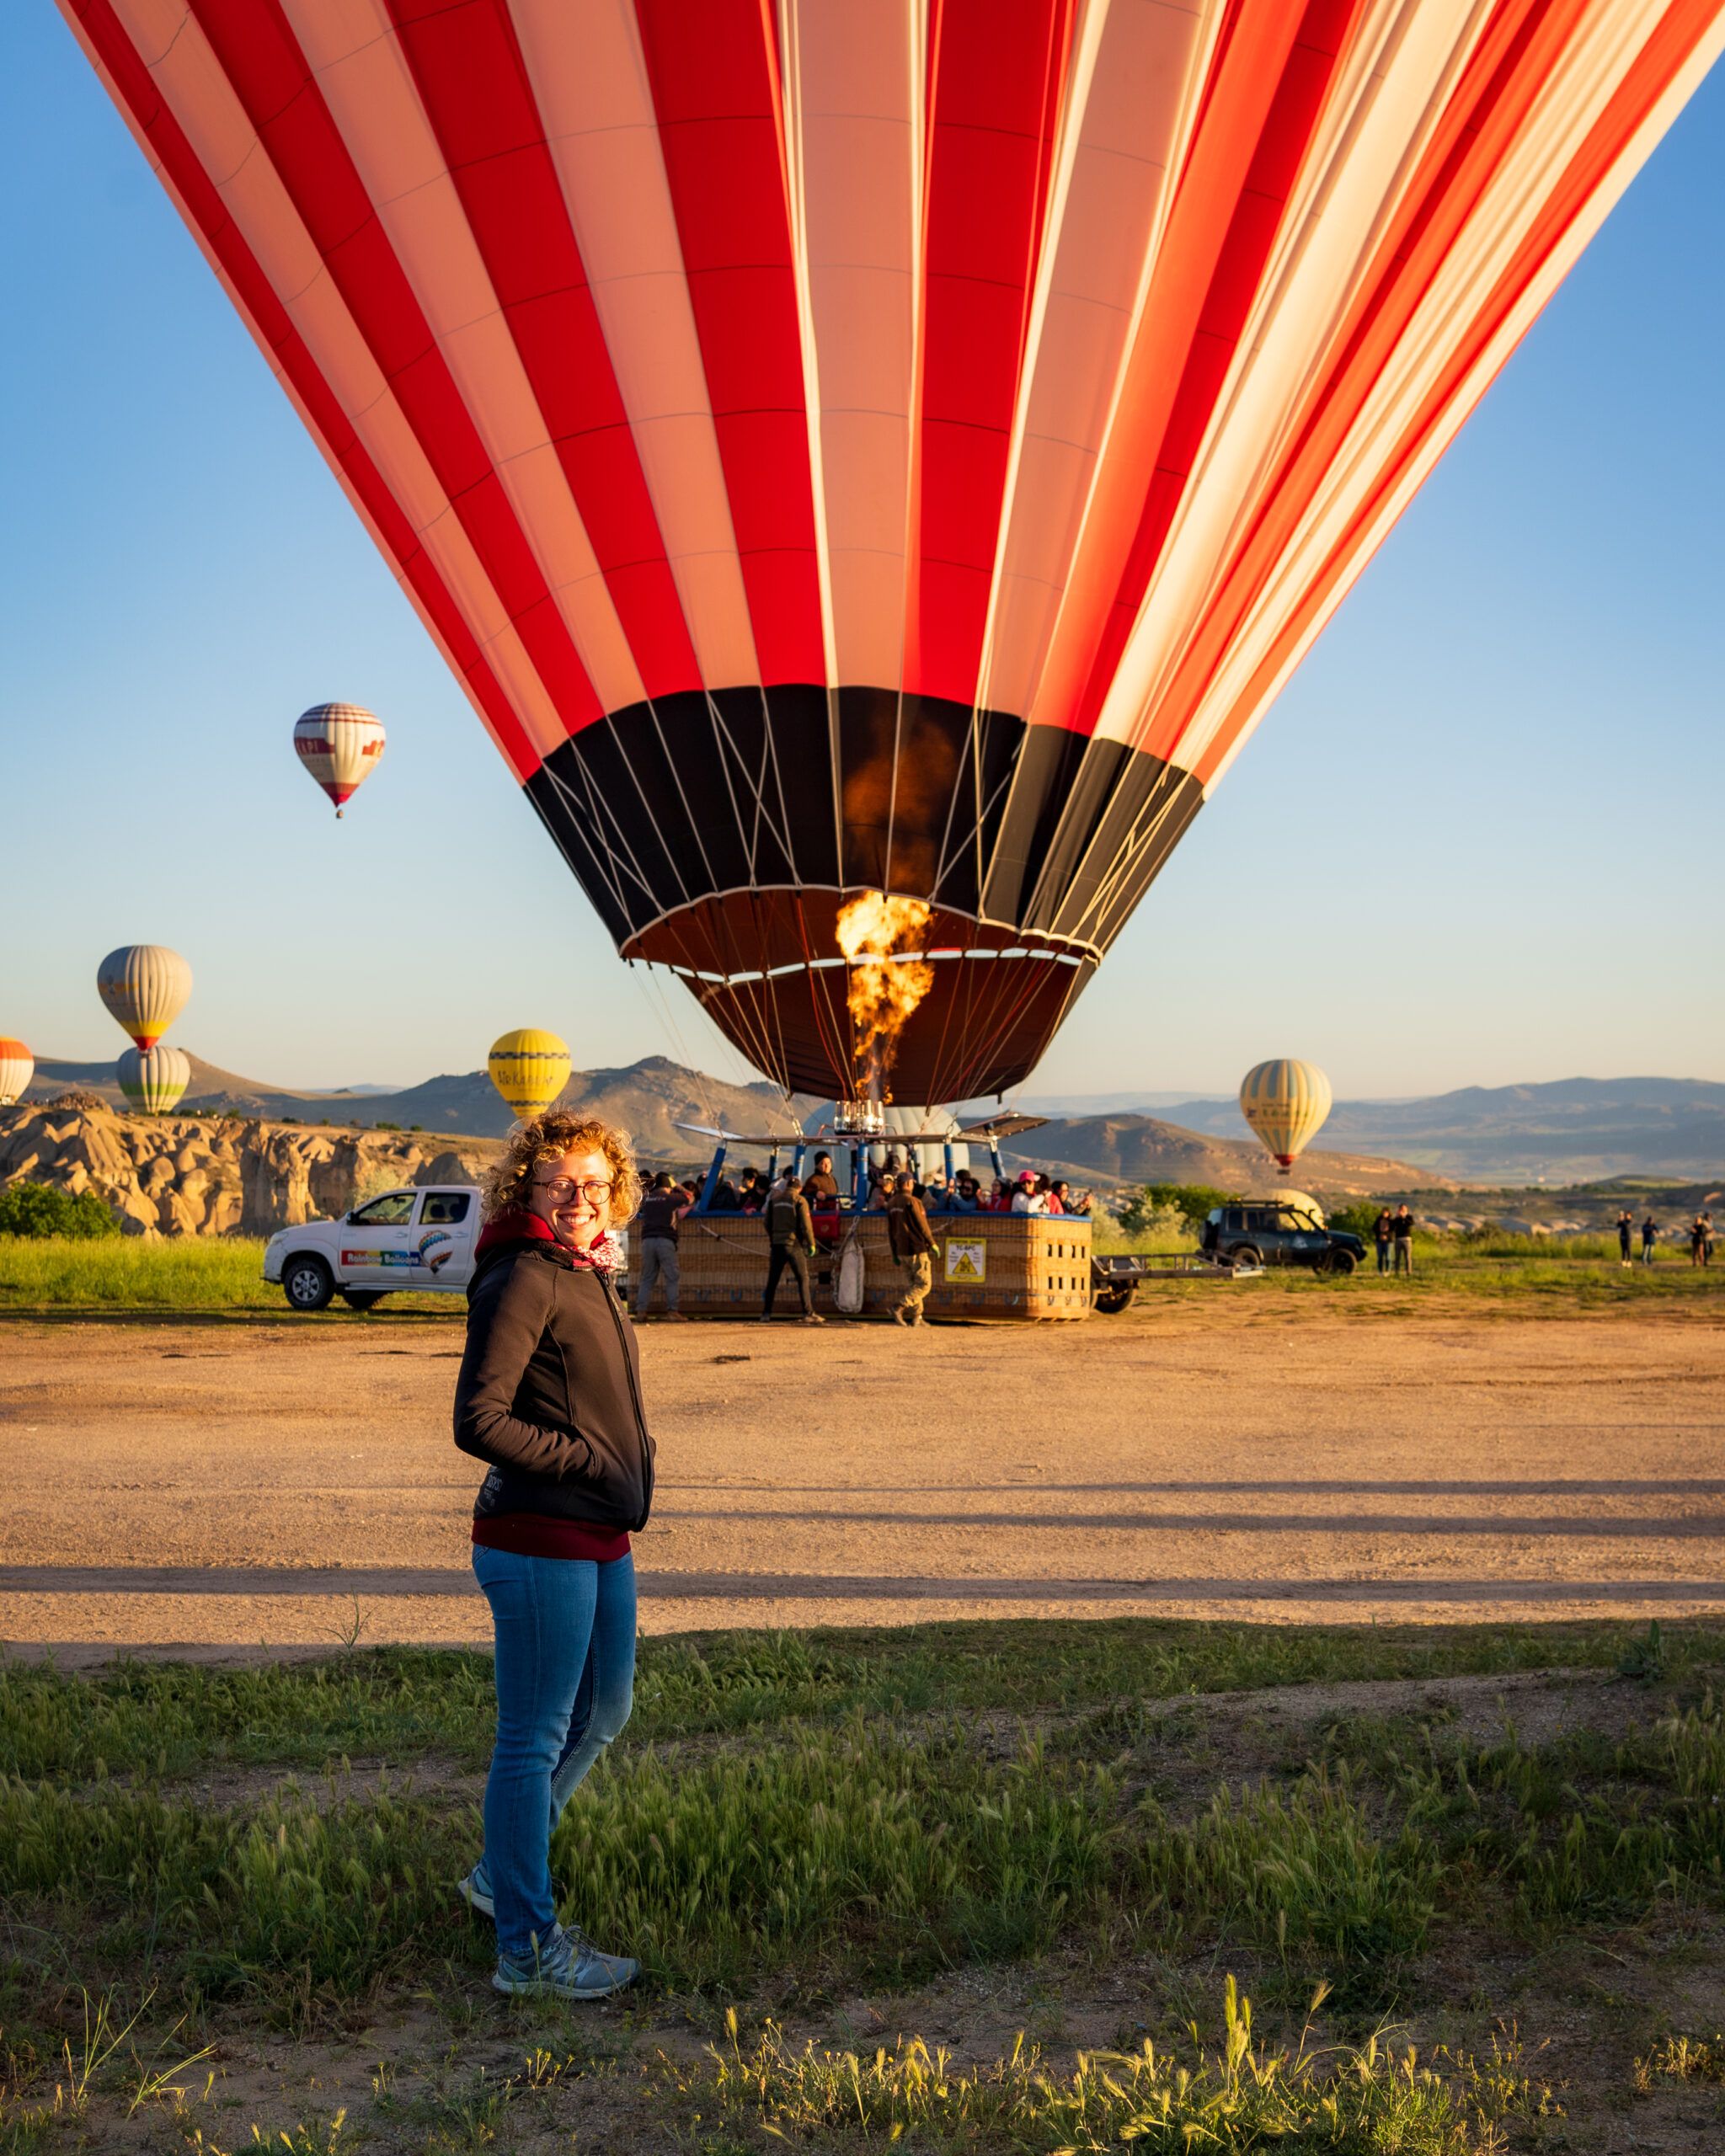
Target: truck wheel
1342, 1261
1113, 1300
1246, 1255
362, 1298
308, 1282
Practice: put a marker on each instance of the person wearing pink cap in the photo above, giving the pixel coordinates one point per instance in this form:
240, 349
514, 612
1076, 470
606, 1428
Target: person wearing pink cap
1026, 1197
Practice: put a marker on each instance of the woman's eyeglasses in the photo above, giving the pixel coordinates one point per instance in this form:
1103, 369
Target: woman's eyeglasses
562, 1190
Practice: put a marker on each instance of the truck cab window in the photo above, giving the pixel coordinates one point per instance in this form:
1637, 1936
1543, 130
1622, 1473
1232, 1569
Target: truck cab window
394, 1209
444, 1207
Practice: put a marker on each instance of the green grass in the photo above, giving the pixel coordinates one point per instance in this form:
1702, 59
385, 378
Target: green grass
191, 1275
812, 1819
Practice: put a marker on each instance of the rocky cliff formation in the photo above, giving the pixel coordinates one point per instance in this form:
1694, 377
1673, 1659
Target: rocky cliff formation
213, 1175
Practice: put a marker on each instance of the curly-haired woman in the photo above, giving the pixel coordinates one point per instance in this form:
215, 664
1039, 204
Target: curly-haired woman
549, 1396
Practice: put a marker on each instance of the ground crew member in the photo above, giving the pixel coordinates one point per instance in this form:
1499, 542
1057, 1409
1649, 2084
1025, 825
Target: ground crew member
912, 1241
656, 1231
790, 1236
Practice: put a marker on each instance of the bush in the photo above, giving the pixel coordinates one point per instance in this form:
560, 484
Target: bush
41, 1208
1193, 1201
1358, 1219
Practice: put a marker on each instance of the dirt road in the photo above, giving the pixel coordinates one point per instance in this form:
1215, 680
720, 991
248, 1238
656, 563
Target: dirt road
242, 1483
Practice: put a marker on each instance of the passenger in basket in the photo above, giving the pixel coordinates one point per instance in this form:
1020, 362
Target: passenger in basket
1028, 1198
822, 1183
965, 1196
912, 1241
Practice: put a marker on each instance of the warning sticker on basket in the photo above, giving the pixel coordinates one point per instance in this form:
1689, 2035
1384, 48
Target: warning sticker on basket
966, 1261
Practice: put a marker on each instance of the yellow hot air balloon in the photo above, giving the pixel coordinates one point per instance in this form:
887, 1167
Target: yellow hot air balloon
153, 1079
1285, 1102
530, 1069
17, 1068
144, 987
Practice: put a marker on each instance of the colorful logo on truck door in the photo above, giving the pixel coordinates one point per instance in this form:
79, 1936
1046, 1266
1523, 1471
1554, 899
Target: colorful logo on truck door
380, 1258
436, 1248
967, 1262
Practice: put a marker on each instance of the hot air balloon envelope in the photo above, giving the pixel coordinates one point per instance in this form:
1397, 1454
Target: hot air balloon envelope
18, 1067
530, 1069
897, 448
1285, 1102
340, 746
154, 1079
144, 987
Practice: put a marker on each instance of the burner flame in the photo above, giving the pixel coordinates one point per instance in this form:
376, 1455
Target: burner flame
886, 981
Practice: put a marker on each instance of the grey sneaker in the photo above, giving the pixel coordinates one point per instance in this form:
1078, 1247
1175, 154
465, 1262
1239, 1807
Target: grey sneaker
475, 1890
569, 1967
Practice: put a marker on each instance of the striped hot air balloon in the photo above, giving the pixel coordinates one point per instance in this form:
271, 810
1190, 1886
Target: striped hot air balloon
886, 446
340, 745
1285, 1102
18, 1066
530, 1069
144, 987
153, 1079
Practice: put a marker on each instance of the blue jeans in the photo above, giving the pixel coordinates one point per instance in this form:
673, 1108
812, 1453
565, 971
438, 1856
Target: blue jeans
565, 1683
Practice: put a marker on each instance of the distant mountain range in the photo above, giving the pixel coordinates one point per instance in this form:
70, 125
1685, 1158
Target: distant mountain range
1572, 1130
1569, 1130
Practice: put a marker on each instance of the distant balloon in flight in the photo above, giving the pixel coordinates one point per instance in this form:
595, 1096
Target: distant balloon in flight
144, 987
1285, 1102
530, 1069
340, 746
154, 1080
18, 1067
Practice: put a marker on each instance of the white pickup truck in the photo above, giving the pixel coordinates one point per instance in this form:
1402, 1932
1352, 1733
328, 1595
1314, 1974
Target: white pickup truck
419, 1239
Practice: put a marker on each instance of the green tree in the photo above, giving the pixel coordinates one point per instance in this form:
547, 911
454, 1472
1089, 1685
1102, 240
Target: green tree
1196, 1201
42, 1208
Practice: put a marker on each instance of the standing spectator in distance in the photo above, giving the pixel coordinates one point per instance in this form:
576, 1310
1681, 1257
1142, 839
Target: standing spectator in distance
1625, 1230
912, 1241
1707, 1239
1649, 1236
656, 1226
822, 1183
1382, 1234
790, 1238
1028, 1198
1403, 1231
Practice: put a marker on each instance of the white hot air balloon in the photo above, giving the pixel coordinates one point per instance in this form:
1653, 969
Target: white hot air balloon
17, 1068
154, 1079
340, 746
144, 987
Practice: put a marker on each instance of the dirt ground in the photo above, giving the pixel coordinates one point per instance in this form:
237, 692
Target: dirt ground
234, 1484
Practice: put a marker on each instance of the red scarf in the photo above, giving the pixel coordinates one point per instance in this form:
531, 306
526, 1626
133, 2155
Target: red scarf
516, 1223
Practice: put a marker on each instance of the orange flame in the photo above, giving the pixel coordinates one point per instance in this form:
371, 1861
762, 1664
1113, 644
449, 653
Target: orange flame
885, 982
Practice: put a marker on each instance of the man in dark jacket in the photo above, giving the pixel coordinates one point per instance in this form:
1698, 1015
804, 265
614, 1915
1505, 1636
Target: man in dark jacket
656, 1226
1626, 1236
1401, 1228
790, 1238
823, 1183
912, 1241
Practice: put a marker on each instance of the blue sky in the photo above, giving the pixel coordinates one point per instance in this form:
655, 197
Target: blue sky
1477, 840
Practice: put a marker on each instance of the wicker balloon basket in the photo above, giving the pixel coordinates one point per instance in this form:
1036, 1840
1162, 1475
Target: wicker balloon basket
1000, 1266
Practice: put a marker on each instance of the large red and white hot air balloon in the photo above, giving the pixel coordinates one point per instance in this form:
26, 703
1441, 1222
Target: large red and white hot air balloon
340, 746
897, 445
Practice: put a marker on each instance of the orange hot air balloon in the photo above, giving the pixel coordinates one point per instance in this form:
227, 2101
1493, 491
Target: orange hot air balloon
339, 745
18, 1066
886, 448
